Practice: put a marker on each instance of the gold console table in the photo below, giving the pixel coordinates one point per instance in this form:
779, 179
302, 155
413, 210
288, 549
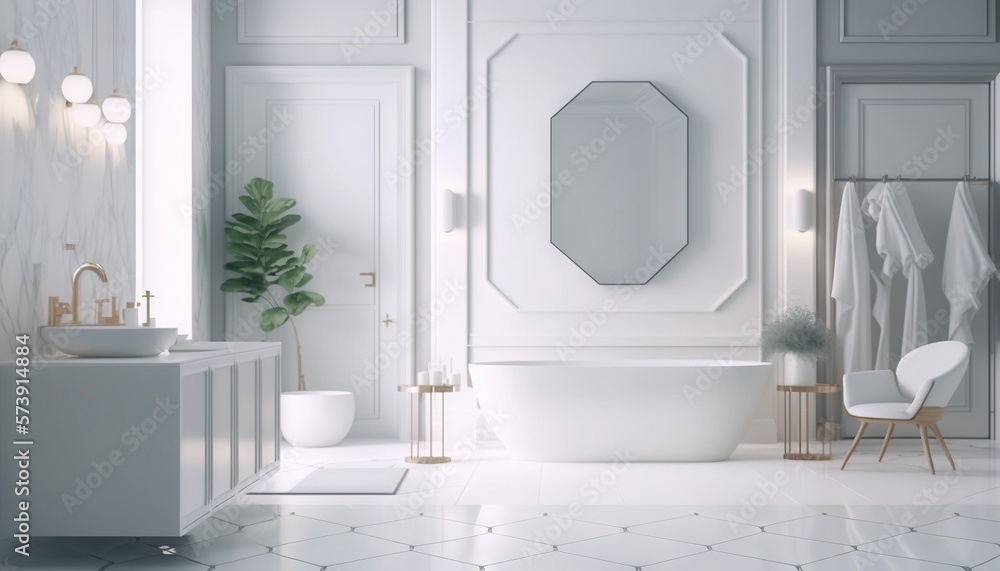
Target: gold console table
416, 419
825, 444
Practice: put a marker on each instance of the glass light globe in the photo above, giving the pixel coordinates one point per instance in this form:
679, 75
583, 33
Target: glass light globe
114, 133
86, 114
77, 88
116, 108
17, 65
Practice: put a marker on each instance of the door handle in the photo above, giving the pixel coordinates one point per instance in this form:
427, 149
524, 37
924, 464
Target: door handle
372, 276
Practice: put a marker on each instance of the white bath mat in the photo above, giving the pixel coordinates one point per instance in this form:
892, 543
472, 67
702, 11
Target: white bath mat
339, 481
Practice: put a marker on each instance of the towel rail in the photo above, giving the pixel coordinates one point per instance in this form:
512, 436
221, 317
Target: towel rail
886, 178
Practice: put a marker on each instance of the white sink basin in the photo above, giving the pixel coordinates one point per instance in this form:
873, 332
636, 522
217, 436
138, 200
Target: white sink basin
110, 340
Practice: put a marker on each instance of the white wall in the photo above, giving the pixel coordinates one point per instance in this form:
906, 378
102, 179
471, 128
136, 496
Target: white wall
361, 46
525, 60
59, 183
965, 21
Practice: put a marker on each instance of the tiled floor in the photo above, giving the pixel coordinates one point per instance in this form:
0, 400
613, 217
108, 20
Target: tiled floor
755, 512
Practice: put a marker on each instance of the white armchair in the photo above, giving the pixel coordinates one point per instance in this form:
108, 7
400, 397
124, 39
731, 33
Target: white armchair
924, 382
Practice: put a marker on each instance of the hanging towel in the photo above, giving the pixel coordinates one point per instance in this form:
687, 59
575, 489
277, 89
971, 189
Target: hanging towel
901, 244
850, 286
967, 265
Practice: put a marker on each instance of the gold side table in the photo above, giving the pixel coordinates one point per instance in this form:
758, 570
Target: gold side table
416, 419
826, 446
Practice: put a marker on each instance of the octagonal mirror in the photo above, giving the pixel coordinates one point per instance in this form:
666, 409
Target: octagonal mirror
619, 176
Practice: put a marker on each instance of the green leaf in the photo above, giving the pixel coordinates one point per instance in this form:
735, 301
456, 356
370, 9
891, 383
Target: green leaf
276, 208
314, 298
291, 278
244, 284
251, 205
299, 301
308, 253
250, 221
274, 242
242, 251
273, 318
235, 235
261, 189
272, 256
280, 224
251, 299
245, 267
305, 279
241, 228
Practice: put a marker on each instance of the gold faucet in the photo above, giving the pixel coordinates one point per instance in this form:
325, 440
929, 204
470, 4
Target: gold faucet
75, 303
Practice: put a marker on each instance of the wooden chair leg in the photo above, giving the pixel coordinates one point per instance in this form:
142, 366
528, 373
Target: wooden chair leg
927, 448
885, 443
854, 444
944, 446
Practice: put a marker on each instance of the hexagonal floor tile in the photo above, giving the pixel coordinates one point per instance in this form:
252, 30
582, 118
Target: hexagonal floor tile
268, 562
716, 560
338, 549
935, 548
410, 560
696, 529
552, 530
782, 549
836, 530
482, 550
225, 549
288, 529
632, 549
421, 530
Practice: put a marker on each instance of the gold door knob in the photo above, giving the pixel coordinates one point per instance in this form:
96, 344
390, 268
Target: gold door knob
387, 321
372, 276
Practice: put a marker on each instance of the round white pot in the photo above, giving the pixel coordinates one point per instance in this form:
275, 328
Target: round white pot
800, 370
313, 419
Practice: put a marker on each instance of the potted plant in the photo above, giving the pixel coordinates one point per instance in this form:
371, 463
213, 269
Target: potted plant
269, 273
796, 334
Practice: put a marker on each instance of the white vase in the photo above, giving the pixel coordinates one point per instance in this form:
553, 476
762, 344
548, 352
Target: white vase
800, 370
312, 419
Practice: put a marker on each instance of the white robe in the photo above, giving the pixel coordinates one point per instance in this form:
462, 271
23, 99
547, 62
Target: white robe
901, 244
851, 287
967, 265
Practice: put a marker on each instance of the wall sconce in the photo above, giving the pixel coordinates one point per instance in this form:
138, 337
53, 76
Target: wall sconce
16, 64
446, 210
800, 211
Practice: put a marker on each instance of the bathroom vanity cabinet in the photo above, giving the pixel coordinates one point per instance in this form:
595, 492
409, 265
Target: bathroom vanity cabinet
146, 446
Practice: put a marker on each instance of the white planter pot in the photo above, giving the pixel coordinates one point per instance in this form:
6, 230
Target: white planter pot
312, 419
800, 370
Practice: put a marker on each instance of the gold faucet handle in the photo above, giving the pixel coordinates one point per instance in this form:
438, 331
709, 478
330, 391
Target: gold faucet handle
57, 309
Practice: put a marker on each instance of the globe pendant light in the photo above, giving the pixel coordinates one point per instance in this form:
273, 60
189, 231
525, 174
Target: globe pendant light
77, 88
17, 65
116, 108
87, 114
114, 133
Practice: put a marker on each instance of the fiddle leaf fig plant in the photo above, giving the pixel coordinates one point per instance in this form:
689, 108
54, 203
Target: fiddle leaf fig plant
266, 267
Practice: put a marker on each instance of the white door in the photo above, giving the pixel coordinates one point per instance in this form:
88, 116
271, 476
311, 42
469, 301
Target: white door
337, 140
924, 131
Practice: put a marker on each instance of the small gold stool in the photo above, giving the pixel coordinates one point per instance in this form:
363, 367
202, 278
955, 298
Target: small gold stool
825, 443
416, 419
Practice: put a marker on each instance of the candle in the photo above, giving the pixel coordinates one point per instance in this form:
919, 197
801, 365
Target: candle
437, 378
423, 378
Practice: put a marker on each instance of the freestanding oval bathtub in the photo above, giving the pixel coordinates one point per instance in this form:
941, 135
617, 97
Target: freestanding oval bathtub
641, 411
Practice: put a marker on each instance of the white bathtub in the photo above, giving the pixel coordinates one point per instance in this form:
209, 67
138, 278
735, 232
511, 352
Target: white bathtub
642, 411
